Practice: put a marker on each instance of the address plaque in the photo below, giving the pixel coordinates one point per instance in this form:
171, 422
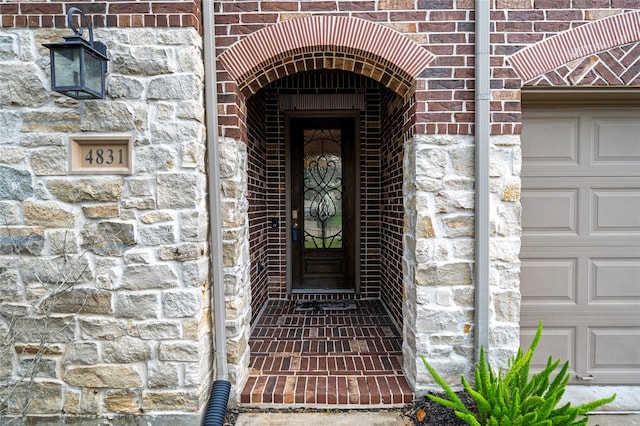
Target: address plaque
100, 155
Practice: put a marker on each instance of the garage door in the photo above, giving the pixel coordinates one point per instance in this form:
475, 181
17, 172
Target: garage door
581, 240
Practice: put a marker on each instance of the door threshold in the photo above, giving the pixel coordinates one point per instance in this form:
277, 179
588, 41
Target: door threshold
323, 291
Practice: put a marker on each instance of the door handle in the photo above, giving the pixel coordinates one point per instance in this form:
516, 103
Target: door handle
585, 378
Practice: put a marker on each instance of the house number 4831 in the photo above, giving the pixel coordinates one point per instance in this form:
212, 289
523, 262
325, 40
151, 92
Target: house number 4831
106, 156
101, 154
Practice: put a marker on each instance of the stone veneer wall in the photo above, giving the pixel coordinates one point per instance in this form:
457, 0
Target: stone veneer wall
104, 285
439, 254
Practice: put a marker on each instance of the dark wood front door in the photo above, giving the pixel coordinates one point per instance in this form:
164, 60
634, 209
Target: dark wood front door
323, 196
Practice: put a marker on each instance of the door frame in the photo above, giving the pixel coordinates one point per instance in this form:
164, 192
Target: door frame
292, 114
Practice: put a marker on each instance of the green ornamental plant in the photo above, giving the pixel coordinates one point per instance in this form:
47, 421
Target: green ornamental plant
515, 397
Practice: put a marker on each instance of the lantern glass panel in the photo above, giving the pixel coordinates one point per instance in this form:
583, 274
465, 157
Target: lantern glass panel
93, 72
67, 67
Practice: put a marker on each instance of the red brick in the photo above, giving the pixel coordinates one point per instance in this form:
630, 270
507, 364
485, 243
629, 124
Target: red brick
436, 27
262, 18
551, 4
565, 15
41, 8
356, 5
279, 6
318, 6
8, 9
415, 15
129, 8
174, 7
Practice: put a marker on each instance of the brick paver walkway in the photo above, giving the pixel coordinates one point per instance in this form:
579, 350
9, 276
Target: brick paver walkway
350, 357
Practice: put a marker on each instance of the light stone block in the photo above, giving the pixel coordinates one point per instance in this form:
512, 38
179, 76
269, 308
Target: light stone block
44, 397
105, 211
101, 328
432, 163
9, 213
459, 226
156, 235
82, 301
15, 184
13, 155
146, 203
181, 304
179, 86
178, 351
41, 139
50, 121
21, 240
123, 401
120, 86
180, 190
104, 376
25, 87
81, 353
148, 277
140, 187
49, 214
56, 271
155, 158
157, 330
137, 306
142, 60
86, 189
126, 350
163, 375
49, 162
182, 252
109, 238
171, 401
177, 132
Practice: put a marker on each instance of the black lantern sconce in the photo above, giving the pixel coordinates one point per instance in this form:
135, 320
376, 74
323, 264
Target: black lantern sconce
78, 66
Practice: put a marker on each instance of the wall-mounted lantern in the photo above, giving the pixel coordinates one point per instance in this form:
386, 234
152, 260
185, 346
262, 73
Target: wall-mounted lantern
78, 66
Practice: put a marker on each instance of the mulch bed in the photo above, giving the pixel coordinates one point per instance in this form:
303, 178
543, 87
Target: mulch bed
423, 412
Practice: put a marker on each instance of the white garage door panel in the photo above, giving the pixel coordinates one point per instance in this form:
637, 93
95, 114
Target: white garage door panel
558, 140
549, 211
615, 280
616, 141
616, 210
580, 270
548, 280
626, 342
557, 342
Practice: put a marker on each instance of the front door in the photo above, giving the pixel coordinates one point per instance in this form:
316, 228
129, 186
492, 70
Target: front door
323, 197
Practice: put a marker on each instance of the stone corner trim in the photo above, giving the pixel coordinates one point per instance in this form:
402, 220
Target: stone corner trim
576, 43
295, 36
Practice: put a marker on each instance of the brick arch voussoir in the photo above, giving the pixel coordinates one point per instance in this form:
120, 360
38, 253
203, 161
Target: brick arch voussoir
325, 42
546, 55
326, 58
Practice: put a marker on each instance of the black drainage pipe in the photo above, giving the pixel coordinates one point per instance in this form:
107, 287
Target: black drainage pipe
217, 405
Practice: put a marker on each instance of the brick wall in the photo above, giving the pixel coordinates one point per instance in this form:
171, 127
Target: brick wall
370, 147
33, 14
260, 231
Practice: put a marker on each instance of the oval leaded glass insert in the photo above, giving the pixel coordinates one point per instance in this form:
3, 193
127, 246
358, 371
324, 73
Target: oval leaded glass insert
322, 188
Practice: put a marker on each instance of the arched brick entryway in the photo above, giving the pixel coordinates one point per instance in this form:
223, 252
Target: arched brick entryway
349, 58
326, 42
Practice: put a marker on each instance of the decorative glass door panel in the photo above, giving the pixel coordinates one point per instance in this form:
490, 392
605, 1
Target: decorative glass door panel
322, 189
322, 200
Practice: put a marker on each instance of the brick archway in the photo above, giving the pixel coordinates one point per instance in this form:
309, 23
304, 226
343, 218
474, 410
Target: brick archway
325, 42
585, 40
